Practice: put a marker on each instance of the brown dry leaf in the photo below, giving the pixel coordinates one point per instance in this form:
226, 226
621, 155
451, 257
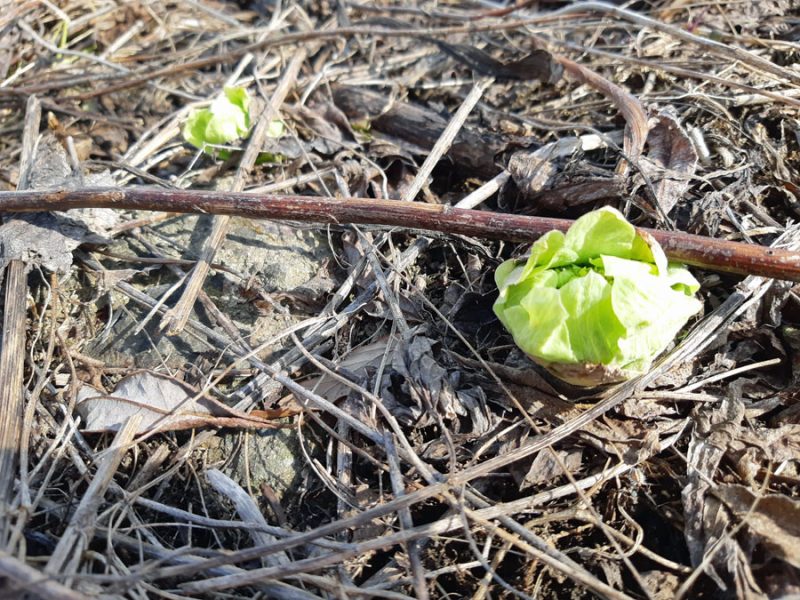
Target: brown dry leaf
111, 138
545, 467
275, 413
48, 239
777, 445
671, 160
330, 129
418, 385
774, 519
539, 64
357, 363
642, 409
532, 171
533, 393
631, 440
662, 584
524, 377
577, 187
553, 177
164, 403
409, 308
706, 523
752, 449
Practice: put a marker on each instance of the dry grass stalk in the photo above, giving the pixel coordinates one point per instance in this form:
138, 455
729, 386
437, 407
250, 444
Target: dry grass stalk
27, 579
12, 352
67, 556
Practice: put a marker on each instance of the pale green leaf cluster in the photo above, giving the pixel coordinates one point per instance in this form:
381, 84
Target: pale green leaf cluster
597, 304
226, 120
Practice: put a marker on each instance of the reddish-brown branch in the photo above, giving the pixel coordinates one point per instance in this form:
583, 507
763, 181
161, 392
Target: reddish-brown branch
709, 253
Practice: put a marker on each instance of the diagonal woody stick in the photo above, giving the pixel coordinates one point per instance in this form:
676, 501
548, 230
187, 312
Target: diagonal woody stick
175, 319
696, 250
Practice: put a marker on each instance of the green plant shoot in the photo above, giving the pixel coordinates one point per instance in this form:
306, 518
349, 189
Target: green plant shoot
226, 120
595, 305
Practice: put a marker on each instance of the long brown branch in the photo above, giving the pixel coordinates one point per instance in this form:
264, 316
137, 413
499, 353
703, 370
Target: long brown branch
699, 251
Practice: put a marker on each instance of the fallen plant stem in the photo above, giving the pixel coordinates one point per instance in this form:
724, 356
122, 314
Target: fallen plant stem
699, 251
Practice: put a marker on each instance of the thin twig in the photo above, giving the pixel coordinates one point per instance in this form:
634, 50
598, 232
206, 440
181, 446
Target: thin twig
68, 553
404, 514
446, 139
12, 396
699, 251
25, 578
247, 509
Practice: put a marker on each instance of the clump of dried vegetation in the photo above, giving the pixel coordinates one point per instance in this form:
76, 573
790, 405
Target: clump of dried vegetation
428, 457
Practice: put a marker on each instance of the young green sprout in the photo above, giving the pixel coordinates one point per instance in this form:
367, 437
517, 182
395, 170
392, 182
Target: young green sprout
595, 305
227, 119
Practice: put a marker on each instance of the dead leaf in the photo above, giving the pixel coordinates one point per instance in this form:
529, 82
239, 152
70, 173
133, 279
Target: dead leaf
48, 239
275, 413
164, 403
774, 519
545, 467
629, 439
111, 138
751, 450
418, 385
641, 409
356, 364
539, 64
417, 129
532, 171
531, 390
557, 179
706, 523
661, 584
474, 402
330, 129
671, 160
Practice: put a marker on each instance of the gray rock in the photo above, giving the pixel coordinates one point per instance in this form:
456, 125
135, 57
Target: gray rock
273, 457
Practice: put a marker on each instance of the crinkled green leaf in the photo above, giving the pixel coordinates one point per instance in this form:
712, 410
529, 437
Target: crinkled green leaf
275, 129
194, 129
601, 298
226, 120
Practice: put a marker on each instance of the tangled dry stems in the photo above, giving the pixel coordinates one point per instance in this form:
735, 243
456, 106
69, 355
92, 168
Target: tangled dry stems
435, 460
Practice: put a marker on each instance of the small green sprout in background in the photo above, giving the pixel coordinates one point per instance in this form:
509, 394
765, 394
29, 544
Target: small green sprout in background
226, 120
595, 305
